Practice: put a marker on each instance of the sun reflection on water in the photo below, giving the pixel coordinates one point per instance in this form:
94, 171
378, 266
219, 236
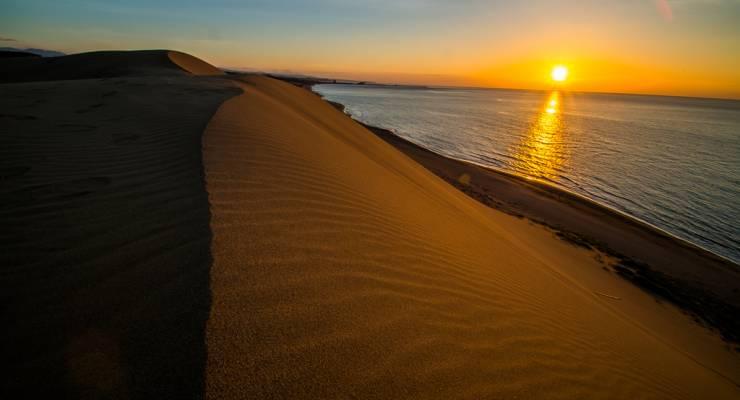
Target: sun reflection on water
541, 153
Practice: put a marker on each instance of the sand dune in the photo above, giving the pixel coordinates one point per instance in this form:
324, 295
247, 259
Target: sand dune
104, 64
105, 239
193, 65
280, 250
699, 282
343, 269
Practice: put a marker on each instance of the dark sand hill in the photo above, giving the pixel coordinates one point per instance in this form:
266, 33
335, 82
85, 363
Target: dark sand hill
105, 241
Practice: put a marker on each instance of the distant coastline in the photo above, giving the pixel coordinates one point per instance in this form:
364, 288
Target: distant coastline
311, 80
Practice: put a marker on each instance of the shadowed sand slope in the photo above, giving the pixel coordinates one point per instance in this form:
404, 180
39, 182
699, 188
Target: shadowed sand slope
105, 242
342, 269
104, 64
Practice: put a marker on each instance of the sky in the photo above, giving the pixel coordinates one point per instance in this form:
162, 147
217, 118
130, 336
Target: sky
672, 47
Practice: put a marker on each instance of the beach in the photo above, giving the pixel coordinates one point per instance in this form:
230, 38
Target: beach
672, 269
174, 231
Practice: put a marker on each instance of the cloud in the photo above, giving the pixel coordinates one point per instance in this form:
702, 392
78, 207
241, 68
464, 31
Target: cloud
7, 39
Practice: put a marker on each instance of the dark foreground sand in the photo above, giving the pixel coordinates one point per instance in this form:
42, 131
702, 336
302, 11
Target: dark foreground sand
105, 245
291, 254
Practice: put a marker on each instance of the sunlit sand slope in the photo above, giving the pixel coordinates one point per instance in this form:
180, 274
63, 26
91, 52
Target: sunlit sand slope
193, 65
342, 269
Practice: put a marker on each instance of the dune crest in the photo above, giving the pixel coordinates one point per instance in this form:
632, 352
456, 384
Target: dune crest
104, 64
343, 269
191, 64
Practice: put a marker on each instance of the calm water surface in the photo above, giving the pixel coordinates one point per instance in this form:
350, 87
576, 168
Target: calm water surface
672, 162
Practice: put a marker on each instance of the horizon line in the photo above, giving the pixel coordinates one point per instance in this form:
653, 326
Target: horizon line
433, 86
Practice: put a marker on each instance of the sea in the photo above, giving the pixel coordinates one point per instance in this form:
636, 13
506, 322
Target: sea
673, 162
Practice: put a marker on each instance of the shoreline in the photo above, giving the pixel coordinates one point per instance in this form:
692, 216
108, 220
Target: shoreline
697, 281
543, 185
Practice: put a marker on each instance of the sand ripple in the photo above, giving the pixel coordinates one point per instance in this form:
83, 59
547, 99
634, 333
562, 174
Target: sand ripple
105, 241
342, 269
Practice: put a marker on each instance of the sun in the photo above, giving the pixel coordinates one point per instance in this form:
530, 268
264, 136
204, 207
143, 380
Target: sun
559, 73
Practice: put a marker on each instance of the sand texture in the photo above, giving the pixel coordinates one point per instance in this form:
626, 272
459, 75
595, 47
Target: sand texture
105, 242
343, 269
172, 232
673, 270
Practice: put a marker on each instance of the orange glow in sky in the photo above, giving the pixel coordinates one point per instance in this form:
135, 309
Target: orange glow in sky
687, 47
